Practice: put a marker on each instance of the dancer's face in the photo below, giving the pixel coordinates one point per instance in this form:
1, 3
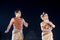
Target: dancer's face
45, 17
18, 14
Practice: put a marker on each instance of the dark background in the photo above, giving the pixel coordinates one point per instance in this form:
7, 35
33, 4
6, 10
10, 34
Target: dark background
31, 11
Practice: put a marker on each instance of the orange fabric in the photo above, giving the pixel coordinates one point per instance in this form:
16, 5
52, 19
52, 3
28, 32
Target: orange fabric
45, 26
17, 23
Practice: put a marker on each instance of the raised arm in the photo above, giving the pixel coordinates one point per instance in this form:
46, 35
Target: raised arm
9, 26
25, 23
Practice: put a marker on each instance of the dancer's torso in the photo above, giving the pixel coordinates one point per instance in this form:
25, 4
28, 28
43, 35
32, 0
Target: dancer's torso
18, 23
46, 26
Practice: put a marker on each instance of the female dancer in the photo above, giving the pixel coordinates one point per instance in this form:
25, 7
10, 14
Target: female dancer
46, 27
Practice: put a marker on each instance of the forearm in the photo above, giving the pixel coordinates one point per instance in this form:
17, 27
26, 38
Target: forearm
8, 28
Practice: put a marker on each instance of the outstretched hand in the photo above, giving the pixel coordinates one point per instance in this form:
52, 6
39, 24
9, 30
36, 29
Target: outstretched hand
6, 31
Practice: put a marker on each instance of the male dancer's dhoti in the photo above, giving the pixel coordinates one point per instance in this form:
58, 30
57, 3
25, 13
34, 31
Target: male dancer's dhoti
47, 36
17, 35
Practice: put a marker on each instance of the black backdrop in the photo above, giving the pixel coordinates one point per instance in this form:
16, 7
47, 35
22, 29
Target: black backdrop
31, 11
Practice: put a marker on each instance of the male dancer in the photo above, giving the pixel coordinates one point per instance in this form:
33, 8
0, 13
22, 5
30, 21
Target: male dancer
17, 22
